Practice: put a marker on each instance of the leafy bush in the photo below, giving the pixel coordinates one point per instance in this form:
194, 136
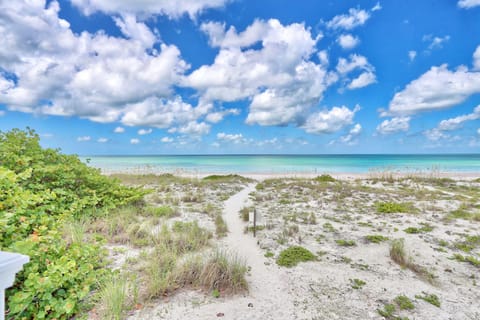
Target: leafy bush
345, 243
292, 256
40, 190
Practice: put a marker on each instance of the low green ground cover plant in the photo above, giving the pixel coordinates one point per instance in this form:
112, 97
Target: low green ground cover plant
430, 298
325, 178
376, 238
291, 256
394, 207
345, 243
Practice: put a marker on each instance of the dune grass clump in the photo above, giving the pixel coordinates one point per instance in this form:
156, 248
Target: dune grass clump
226, 178
113, 296
161, 212
414, 230
469, 259
399, 255
376, 238
394, 207
245, 214
291, 256
357, 283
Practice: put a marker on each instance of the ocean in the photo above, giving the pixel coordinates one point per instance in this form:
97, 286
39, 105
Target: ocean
278, 164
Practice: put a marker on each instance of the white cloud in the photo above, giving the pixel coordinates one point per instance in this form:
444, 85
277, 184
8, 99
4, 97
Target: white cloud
278, 78
143, 132
119, 130
467, 4
166, 140
354, 61
84, 138
218, 116
347, 41
478, 131
376, 7
92, 76
194, 128
102, 140
353, 19
435, 135
328, 121
457, 122
173, 9
363, 80
412, 54
394, 125
351, 138
134, 141
435, 42
476, 59
2, 113
232, 138
438, 88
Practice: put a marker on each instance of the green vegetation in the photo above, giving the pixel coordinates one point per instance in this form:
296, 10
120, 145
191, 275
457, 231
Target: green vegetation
325, 178
387, 311
291, 256
404, 303
464, 212
327, 226
345, 243
414, 230
221, 228
47, 199
398, 255
430, 298
357, 283
469, 259
470, 243
394, 207
226, 178
113, 297
244, 214
162, 211
269, 254
375, 238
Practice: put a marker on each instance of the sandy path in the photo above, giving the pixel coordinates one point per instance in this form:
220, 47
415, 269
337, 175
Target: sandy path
268, 288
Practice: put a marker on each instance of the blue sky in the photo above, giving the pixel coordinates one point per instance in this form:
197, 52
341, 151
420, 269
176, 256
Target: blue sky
243, 76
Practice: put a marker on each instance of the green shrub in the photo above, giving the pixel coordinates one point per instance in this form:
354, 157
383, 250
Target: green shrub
293, 255
40, 191
357, 283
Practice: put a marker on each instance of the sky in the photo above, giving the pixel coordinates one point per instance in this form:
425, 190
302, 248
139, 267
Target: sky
102, 77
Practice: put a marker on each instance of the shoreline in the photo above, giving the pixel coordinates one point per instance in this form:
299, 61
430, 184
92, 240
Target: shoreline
260, 176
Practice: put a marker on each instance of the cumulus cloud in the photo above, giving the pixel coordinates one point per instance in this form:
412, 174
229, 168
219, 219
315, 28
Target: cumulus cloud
215, 117
173, 9
84, 138
143, 132
134, 141
438, 88
231, 138
356, 62
93, 76
467, 4
102, 140
352, 137
351, 20
476, 59
119, 130
394, 125
412, 54
328, 121
362, 80
278, 77
435, 134
347, 41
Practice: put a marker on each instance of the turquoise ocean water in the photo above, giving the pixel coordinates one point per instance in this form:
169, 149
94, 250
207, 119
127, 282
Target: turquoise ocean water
222, 164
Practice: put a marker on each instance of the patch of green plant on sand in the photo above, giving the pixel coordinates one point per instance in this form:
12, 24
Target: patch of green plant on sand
291, 256
430, 298
325, 178
376, 238
394, 207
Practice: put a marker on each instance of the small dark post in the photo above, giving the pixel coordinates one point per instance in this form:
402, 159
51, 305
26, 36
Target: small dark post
254, 221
